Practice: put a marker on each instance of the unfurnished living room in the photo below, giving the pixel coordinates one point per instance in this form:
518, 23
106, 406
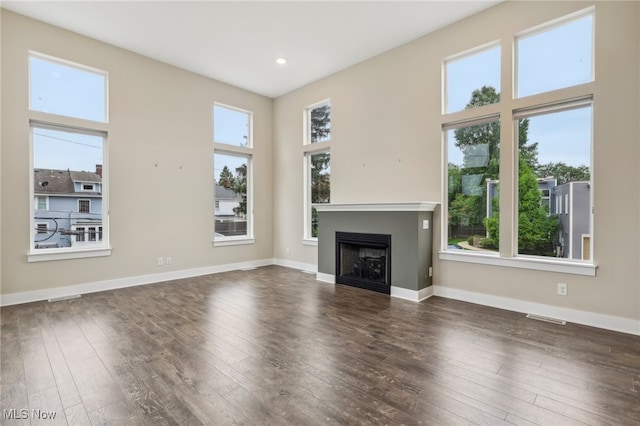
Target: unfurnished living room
320, 212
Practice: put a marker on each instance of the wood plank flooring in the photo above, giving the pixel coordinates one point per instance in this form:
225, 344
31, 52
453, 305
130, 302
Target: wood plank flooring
274, 346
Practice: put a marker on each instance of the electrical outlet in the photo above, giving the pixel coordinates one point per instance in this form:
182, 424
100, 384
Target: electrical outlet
562, 289
169, 260
160, 261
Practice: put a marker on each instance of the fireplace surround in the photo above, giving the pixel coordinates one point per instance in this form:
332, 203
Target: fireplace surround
409, 226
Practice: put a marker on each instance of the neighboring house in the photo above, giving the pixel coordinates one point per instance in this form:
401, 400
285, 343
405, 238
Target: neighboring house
572, 206
570, 202
227, 221
226, 200
67, 208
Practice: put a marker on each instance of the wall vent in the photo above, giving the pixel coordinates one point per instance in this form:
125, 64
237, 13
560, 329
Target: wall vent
546, 319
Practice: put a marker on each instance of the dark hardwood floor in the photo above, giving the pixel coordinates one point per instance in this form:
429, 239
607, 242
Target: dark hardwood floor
274, 346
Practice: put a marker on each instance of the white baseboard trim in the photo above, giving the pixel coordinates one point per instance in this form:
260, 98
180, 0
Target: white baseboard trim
398, 292
295, 265
412, 295
53, 293
608, 322
326, 278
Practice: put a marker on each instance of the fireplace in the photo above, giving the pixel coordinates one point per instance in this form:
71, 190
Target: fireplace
364, 261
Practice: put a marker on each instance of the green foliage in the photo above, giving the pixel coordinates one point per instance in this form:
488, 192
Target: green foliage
240, 187
564, 173
320, 118
226, 178
536, 229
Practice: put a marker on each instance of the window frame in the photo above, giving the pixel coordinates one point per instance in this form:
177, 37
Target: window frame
77, 66
246, 152
72, 252
81, 201
507, 109
310, 148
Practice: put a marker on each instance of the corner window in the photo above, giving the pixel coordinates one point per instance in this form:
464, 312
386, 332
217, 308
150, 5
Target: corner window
232, 165
317, 164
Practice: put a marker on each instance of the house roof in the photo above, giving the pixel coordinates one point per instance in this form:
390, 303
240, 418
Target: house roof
222, 193
48, 181
84, 176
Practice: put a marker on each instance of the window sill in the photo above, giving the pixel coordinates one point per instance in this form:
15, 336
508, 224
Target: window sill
45, 255
534, 263
310, 242
233, 241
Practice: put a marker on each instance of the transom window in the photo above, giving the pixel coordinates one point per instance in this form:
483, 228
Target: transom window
64, 88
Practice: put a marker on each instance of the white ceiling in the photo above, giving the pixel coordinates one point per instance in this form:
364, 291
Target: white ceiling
237, 42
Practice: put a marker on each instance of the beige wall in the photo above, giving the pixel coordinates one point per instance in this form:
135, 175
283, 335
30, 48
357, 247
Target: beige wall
160, 115
386, 146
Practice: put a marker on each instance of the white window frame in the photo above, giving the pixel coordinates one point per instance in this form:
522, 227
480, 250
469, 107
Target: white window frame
508, 256
245, 152
311, 148
37, 202
81, 67
39, 119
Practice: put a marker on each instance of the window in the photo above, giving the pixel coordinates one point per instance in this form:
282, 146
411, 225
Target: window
42, 203
555, 56
473, 185
67, 160
232, 160
62, 88
562, 150
319, 123
84, 206
319, 190
317, 164
544, 211
476, 74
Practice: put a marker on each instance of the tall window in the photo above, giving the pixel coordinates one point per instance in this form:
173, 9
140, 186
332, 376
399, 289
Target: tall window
547, 206
317, 164
233, 153
68, 104
562, 138
473, 183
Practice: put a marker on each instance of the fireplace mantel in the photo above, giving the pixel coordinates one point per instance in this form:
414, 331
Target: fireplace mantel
415, 206
410, 225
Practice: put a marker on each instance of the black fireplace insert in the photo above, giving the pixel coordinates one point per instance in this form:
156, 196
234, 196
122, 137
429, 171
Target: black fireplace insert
364, 261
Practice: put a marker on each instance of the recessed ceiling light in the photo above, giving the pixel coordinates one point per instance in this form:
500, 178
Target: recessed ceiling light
281, 61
